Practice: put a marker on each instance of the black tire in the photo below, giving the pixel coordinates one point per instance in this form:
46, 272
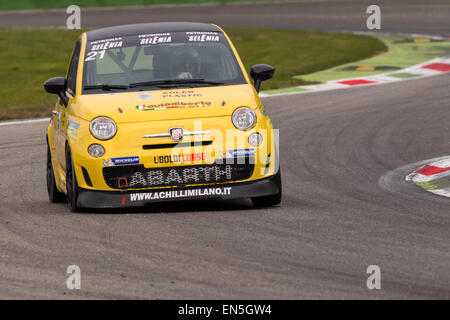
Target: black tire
71, 183
273, 199
53, 193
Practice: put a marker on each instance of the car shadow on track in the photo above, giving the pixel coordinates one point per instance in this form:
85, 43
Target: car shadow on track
179, 207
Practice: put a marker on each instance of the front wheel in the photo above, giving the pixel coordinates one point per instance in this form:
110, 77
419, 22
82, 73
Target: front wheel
53, 194
71, 183
271, 200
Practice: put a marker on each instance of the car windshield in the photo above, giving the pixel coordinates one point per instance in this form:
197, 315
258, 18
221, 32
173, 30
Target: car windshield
162, 60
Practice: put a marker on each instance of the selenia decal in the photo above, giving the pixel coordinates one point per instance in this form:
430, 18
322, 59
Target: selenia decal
155, 38
106, 44
203, 36
99, 47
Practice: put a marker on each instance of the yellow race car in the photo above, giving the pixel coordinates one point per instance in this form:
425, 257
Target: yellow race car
158, 112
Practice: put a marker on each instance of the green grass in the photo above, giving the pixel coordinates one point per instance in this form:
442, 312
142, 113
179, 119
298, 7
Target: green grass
441, 183
48, 4
294, 52
28, 57
403, 52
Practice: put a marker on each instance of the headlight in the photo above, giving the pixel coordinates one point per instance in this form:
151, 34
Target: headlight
103, 128
255, 139
244, 118
96, 150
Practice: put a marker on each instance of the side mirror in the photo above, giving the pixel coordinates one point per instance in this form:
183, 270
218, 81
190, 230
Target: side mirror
57, 86
260, 73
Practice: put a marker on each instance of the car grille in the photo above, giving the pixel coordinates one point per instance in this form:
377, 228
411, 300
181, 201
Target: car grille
176, 145
137, 176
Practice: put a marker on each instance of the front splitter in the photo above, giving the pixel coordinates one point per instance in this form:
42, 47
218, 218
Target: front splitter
121, 199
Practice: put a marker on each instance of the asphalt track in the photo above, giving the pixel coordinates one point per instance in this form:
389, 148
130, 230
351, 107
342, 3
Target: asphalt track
335, 219
422, 16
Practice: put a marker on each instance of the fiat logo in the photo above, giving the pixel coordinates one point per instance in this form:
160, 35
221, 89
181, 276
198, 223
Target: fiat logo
176, 134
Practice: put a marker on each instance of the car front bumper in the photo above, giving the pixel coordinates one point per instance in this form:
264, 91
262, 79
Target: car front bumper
122, 199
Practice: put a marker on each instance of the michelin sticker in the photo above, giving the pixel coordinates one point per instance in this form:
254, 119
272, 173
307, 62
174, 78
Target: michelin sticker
121, 161
236, 153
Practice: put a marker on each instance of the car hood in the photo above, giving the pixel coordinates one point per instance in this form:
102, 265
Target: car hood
180, 103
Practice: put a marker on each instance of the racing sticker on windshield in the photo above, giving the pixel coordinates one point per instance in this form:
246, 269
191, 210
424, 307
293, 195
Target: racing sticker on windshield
99, 47
105, 44
155, 38
203, 36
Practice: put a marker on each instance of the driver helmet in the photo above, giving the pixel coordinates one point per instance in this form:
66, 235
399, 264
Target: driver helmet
185, 63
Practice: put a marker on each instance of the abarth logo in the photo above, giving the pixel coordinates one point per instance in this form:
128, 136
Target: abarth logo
176, 134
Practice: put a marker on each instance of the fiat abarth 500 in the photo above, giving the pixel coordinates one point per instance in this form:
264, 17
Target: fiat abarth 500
159, 112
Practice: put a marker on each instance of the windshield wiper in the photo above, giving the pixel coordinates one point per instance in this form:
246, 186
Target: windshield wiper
106, 87
203, 81
173, 82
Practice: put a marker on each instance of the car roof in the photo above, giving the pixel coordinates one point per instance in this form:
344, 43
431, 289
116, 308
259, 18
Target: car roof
155, 27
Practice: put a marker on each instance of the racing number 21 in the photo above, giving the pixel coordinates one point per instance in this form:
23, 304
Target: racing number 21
91, 55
